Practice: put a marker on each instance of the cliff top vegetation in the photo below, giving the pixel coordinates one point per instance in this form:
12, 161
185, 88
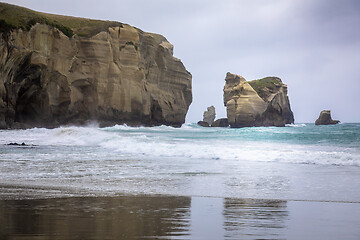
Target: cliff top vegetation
15, 17
271, 83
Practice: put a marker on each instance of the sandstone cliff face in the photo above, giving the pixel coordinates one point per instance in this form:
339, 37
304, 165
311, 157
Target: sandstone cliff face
261, 102
121, 75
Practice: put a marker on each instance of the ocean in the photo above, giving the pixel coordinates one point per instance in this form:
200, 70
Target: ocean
285, 174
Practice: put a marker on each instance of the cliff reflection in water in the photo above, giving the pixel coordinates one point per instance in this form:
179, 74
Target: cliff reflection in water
265, 219
94, 218
135, 217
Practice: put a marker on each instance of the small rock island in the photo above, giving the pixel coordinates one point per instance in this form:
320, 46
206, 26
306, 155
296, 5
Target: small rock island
325, 118
209, 115
262, 102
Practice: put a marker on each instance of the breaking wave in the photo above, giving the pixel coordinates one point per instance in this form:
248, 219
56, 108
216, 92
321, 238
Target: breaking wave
300, 143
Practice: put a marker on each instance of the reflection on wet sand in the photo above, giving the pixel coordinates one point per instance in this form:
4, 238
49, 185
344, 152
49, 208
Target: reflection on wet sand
170, 217
259, 219
150, 217
94, 218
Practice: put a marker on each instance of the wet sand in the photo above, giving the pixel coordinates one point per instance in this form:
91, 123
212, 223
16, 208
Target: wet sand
174, 217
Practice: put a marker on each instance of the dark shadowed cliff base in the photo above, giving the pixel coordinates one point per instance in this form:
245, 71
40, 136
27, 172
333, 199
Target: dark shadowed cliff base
171, 217
57, 70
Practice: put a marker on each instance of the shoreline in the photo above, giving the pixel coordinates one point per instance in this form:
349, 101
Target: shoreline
8, 193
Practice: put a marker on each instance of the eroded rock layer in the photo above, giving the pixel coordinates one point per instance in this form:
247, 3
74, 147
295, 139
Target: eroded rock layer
262, 102
118, 75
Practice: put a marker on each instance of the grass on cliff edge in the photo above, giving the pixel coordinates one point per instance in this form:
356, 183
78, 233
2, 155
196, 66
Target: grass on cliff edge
15, 17
271, 83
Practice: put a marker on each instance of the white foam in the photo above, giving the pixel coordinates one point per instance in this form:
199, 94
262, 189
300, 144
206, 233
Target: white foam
296, 125
186, 142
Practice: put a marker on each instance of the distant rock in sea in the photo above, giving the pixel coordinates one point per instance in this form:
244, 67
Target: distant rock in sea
209, 115
262, 102
222, 122
57, 70
16, 144
325, 118
203, 124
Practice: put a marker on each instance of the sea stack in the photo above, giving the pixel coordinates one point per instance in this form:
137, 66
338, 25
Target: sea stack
209, 115
262, 102
57, 70
325, 118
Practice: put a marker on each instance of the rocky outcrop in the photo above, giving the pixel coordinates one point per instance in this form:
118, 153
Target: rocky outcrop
325, 118
113, 73
222, 122
203, 124
262, 102
209, 115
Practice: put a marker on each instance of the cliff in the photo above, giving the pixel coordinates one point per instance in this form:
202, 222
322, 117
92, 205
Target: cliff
58, 70
262, 102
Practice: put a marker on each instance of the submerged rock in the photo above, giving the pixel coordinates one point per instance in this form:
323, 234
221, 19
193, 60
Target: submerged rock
21, 144
262, 102
209, 115
57, 70
325, 118
222, 122
16, 144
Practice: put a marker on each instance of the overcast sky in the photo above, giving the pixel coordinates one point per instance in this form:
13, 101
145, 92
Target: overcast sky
312, 45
